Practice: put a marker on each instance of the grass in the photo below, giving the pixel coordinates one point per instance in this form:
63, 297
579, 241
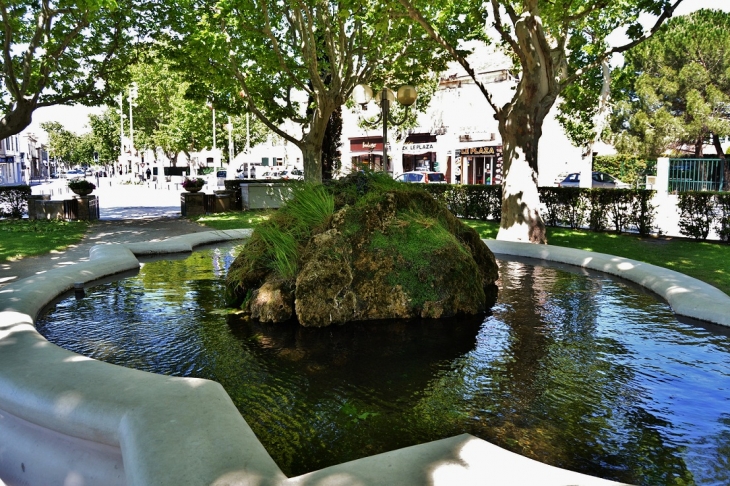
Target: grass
235, 219
24, 238
706, 261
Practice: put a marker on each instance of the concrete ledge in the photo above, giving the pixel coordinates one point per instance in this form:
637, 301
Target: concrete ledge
68, 419
462, 460
687, 296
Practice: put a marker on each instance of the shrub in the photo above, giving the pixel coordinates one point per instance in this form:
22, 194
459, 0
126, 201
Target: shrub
598, 201
81, 185
642, 212
618, 208
14, 200
696, 213
193, 182
722, 225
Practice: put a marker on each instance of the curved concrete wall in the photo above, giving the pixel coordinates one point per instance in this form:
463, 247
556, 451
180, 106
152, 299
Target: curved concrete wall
67, 419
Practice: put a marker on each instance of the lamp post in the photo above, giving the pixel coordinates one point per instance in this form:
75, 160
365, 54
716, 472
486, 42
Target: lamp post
132, 96
230, 142
121, 126
406, 96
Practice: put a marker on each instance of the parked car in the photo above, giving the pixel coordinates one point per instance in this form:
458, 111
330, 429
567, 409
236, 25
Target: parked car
74, 174
422, 177
291, 174
600, 179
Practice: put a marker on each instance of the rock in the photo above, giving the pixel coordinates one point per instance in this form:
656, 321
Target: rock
272, 302
392, 253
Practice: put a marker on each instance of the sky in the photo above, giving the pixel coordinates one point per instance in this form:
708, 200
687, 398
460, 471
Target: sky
75, 118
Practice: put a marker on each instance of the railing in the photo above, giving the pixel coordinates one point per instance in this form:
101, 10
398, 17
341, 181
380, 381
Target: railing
696, 175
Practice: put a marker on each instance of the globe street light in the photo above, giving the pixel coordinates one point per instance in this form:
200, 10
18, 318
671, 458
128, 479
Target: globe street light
406, 96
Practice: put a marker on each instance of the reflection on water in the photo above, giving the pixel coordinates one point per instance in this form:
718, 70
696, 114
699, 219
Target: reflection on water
575, 370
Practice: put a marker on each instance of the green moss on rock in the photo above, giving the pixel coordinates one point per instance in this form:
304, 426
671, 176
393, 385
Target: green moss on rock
387, 251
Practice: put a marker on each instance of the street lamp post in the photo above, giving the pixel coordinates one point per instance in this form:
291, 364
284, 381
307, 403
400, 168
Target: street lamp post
121, 125
406, 96
132, 96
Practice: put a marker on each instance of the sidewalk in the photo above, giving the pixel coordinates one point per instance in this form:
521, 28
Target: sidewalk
156, 218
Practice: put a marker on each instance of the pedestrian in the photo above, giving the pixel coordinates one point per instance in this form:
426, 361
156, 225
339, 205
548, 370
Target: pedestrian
458, 174
149, 173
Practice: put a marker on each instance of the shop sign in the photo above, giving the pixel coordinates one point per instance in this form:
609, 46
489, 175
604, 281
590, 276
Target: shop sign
419, 148
478, 151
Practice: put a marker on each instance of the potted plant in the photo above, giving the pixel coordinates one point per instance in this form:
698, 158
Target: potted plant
193, 184
81, 187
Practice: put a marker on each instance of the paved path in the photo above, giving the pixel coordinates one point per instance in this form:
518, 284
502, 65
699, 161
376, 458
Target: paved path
156, 217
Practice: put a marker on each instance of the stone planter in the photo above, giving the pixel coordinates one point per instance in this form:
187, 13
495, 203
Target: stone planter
193, 188
82, 192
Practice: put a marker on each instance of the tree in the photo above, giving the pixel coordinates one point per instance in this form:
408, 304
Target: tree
105, 135
674, 89
554, 45
271, 58
61, 53
167, 118
68, 147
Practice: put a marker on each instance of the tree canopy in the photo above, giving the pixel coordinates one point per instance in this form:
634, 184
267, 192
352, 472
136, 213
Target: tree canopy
291, 64
554, 45
63, 52
674, 90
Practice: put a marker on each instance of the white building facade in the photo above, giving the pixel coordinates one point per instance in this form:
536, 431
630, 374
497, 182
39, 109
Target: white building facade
458, 134
11, 161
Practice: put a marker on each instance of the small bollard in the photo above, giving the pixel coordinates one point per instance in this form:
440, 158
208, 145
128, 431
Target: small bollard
79, 291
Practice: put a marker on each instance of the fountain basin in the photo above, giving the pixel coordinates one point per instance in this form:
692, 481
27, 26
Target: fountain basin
114, 425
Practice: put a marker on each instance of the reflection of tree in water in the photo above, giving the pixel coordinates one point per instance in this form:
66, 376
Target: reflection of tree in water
720, 473
341, 392
537, 384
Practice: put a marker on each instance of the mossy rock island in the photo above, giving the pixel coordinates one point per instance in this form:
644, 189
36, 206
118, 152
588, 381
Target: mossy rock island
362, 248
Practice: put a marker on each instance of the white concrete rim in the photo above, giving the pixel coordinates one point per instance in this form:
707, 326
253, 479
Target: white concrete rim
187, 431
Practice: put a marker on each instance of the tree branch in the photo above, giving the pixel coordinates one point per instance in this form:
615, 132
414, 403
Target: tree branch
667, 13
416, 15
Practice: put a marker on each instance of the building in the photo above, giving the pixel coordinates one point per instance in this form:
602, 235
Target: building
11, 161
458, 134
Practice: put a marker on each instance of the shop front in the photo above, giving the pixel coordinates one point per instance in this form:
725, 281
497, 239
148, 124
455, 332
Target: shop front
366, 153
417, 153
479, 165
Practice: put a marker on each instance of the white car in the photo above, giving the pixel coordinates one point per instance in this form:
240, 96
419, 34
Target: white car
291, 174
599, 179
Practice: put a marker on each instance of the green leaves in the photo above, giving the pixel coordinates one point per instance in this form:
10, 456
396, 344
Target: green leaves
675, 88
64, 52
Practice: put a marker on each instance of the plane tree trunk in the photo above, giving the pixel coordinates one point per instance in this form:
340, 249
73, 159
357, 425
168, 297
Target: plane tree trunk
520, 125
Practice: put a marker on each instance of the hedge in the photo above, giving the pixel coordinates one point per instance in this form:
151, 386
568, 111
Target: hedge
700, 211
601, 209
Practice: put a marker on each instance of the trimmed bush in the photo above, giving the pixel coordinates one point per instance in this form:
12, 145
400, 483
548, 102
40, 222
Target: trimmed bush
722, 225
696, 213
14, 200
642, 213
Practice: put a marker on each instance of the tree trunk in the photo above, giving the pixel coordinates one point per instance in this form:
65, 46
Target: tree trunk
311, 144
520, 124
16, 120
699, 145
521, 220
721, 156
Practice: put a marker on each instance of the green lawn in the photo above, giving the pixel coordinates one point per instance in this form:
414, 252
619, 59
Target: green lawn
234, 219
22, 238
706, 261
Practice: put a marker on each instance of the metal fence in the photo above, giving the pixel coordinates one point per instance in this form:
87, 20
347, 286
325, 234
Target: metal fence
696, 175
